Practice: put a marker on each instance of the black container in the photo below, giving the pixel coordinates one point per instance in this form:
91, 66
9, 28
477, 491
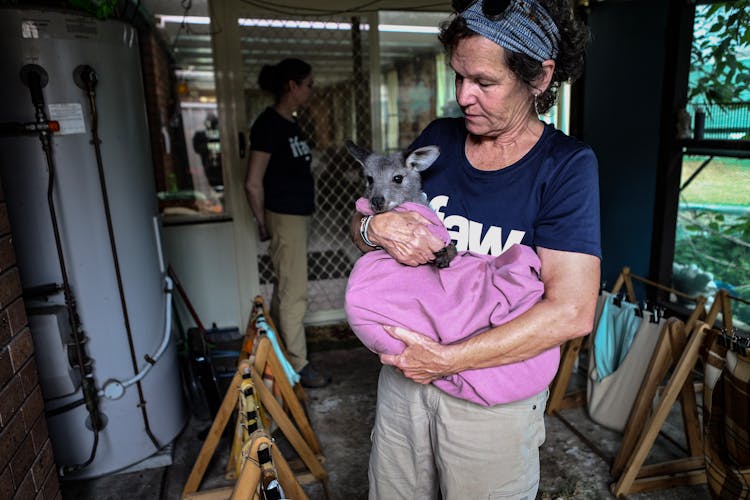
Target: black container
699, 125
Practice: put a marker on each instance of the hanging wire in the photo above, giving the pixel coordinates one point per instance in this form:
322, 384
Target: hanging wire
184, 25
364, 7
136, 8
288, 9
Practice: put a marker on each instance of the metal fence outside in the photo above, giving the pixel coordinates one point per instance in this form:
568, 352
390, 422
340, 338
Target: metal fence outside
729, 121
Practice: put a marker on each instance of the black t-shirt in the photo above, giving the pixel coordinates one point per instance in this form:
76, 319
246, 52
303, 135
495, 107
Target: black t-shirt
288, 182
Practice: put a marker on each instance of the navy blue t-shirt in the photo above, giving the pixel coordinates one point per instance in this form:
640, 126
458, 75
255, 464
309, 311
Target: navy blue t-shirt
549, 198
288, 184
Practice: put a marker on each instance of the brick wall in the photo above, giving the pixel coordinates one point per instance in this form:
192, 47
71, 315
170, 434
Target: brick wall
162, 107
27, 465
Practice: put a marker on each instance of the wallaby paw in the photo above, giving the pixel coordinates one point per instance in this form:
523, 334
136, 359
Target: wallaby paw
444, 256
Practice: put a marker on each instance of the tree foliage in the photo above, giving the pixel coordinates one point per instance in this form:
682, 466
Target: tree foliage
722, 33
720, 245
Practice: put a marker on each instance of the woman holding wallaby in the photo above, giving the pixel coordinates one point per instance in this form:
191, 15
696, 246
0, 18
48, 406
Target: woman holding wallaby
503, 177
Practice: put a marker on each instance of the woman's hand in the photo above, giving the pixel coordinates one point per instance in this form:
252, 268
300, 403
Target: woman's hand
423, 360
405, 236
263, 232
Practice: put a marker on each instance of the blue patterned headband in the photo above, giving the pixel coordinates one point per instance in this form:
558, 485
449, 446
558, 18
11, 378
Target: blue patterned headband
525, 26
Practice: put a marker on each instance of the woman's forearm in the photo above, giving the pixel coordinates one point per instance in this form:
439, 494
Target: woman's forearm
255, 197
566, 312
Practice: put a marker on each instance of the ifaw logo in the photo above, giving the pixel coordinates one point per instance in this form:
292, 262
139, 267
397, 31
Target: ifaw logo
468, 234
298, 147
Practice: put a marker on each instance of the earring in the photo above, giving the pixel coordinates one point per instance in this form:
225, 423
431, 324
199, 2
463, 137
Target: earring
536, 103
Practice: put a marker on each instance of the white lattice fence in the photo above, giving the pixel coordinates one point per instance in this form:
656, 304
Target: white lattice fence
339, 110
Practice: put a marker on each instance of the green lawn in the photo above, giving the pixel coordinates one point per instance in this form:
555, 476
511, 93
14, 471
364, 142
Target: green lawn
724, 181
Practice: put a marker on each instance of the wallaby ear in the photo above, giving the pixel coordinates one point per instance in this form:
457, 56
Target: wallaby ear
420, 159
359, 154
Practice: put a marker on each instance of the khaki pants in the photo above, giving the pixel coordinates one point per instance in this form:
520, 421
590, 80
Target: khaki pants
425, 441
288, 251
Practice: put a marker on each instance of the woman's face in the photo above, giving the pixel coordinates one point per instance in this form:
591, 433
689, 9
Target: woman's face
490, 95
303, 90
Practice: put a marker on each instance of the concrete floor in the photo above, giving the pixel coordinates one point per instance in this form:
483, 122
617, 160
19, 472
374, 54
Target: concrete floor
342, 415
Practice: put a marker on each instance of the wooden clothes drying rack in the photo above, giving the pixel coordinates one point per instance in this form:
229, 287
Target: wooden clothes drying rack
254, 362
250, 477
559, 398
678, 350
252, 334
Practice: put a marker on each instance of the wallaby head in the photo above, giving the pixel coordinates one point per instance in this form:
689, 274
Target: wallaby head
393, 179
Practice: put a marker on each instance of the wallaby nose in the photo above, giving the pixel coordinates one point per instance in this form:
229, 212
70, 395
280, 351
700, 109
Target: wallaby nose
377, 203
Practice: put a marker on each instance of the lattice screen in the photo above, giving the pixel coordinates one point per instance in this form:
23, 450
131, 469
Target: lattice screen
339, 110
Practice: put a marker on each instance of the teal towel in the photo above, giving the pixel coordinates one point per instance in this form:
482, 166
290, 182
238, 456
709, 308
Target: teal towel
614, 335
291, 375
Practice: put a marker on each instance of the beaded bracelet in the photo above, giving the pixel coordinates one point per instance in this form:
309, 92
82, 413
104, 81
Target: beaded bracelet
364, 225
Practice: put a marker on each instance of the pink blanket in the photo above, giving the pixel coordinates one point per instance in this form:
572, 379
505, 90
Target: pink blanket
449, 305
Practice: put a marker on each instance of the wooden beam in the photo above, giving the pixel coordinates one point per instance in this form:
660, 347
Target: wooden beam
212, 440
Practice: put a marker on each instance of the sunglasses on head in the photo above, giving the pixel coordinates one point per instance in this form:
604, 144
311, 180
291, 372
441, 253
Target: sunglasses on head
490, 8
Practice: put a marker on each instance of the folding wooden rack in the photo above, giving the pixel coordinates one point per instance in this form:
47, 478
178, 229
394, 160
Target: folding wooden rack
559, 398
677, 352
301, 436
681, 347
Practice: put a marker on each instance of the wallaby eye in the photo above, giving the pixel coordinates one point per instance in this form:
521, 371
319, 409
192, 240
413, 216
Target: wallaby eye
369, 180
398, 179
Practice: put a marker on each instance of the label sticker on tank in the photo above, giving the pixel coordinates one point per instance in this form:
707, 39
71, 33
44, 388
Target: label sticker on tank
81, 27
70, 116
34, 28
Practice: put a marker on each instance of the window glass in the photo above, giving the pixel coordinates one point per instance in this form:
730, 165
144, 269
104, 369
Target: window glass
416, 82
719, 87
194, 182
712, 245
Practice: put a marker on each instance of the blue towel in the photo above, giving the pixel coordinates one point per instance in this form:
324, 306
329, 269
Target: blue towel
291, 375
614, 335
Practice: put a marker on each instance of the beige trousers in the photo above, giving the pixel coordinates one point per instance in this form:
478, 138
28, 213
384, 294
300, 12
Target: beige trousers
288, 251
426, 442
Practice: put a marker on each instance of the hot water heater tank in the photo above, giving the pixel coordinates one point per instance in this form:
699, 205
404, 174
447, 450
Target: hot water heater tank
89, 253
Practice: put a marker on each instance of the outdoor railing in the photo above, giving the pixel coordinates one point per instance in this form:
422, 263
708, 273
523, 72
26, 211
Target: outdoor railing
728, 121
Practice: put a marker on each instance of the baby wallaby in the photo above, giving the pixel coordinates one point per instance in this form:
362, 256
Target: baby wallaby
394, 179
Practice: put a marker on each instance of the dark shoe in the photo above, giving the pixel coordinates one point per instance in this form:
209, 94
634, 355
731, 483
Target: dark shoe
311, 379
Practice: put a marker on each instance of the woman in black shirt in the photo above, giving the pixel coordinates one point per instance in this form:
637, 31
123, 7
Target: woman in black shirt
281, 193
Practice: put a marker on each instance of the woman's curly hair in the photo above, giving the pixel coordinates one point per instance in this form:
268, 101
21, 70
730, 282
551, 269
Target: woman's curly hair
569, 61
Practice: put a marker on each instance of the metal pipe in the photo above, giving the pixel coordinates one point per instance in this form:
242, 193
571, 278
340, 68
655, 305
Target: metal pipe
35, 78
114, 389
85, 78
